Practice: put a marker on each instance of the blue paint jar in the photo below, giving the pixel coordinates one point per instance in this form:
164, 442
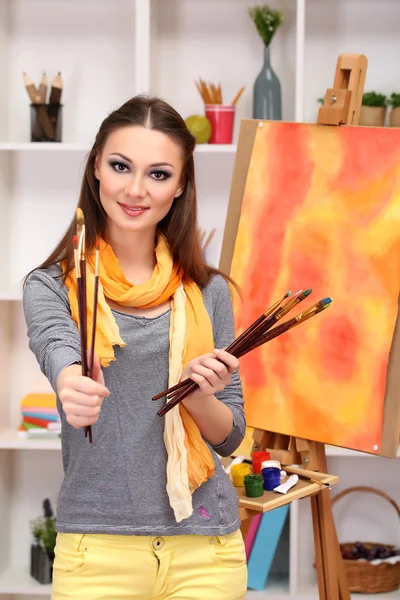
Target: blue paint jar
271, 472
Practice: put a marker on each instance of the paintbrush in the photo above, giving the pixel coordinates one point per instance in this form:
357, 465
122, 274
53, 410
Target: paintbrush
241, 351
283, 327
262, 324
231, 348
95, 299
82, 301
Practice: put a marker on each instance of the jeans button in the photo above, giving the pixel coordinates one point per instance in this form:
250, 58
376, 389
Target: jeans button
158, 543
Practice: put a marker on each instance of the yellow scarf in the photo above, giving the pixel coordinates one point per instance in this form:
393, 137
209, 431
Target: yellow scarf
190, 462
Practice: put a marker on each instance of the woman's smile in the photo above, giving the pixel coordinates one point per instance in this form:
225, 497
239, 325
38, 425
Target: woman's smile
133, 210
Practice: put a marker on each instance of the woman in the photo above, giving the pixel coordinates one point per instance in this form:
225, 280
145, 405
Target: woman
146, 510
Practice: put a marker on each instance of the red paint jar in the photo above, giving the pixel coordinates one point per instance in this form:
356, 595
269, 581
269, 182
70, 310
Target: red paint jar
257, 458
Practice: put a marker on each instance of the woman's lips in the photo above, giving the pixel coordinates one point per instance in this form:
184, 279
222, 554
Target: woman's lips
133, 211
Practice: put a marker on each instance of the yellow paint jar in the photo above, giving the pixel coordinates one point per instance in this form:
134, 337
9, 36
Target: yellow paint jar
238, 473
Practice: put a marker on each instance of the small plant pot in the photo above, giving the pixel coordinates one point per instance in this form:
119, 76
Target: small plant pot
394, 117
41, 565
373, 116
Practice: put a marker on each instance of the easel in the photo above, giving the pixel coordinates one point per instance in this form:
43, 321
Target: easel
342, 105
332, 583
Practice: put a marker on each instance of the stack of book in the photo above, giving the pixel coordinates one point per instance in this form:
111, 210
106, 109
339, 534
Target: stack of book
39, 416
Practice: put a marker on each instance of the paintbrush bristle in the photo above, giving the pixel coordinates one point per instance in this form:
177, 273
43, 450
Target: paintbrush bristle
324, 303
304, 294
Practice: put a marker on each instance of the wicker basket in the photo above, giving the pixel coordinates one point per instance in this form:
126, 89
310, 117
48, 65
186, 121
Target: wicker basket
363, 576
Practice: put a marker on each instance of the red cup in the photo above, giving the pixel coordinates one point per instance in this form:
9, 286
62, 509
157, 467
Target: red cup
257, 458
221, 117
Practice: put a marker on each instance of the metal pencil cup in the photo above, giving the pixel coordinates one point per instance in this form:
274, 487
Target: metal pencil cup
46, 122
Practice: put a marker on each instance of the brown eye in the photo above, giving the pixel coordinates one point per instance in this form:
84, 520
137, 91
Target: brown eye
119, 167
160, 175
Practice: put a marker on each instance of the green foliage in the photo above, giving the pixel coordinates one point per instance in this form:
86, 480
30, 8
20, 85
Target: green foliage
266, 21
37, 529
374, 99
394, 100
44, 529
321, 101
49, 536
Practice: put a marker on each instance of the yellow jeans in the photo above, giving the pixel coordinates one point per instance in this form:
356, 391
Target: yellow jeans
114, 567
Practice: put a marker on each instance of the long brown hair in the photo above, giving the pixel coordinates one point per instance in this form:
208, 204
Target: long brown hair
180, 224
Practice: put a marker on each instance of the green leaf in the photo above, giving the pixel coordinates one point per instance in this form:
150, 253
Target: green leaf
266, 21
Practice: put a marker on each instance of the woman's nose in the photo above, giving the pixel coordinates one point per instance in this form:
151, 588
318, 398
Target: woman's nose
136, 187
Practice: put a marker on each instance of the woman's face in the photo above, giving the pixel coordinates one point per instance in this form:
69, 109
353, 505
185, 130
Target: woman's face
140, 175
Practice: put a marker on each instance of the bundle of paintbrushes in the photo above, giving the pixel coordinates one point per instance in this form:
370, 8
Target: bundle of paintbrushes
80, 272
259, 332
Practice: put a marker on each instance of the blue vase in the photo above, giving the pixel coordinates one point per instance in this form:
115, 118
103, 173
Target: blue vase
267, 103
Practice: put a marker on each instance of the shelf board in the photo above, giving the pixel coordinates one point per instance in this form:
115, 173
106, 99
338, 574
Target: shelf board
277, 588
17, 580
10, 296
216, 148
309, 591
10, 440
71, 147
42, 147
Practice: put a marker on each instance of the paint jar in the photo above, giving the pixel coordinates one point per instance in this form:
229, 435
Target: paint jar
271, 472
254, 485
238, 473
257, 458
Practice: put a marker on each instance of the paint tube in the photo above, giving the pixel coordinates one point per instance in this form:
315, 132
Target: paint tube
285, 487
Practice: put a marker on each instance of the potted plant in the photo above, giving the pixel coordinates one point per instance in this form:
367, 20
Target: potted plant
42, 550
394, 115
267, 102
373, 109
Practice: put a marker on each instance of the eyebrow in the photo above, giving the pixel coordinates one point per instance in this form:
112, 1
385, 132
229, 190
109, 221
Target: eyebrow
160, 164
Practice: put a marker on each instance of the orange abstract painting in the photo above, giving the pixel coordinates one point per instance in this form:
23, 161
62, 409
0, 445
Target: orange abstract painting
321, 210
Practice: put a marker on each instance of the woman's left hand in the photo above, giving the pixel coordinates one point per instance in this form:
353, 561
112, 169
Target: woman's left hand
211, 375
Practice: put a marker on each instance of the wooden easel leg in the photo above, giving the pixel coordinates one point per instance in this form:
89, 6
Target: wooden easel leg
319, 563
344, 592
332, 581
329, 550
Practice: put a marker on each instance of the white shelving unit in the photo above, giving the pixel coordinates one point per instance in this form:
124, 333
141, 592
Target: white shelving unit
108, 52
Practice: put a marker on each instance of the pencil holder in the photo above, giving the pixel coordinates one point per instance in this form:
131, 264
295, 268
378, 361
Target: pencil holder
46, 122
222, 118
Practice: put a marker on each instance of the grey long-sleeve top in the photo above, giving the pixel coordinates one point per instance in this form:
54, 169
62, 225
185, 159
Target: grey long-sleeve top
117, 484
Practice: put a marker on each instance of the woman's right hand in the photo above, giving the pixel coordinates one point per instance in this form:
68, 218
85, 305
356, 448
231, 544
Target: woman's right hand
81, 397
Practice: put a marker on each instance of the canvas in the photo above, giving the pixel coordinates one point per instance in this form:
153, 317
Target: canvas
321, 210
